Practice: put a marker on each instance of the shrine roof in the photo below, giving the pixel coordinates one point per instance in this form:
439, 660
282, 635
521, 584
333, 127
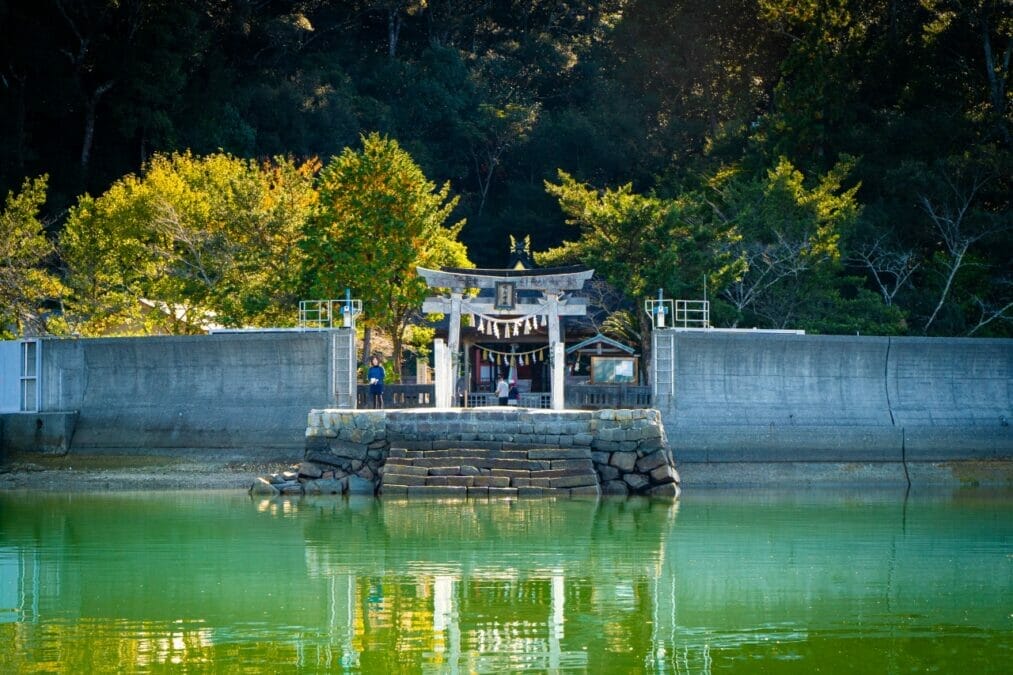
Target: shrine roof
544, 278
513, 273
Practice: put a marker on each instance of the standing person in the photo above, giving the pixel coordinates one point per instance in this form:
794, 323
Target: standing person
376, 375
502, 390
514, 397
462, 391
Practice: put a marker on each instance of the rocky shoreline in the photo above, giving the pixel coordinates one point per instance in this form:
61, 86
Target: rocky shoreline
102, 472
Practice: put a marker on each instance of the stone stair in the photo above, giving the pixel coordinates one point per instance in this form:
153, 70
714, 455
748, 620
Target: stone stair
477, 472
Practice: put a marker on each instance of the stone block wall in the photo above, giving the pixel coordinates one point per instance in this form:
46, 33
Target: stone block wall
628, 449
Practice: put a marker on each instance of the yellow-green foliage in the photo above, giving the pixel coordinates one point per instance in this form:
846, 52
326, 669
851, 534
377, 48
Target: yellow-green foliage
377, 219
24, 283
208, 240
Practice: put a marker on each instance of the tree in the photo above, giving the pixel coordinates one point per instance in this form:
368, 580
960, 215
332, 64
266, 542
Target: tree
25, 283
204, 239
379, 218
966, 202
640, 244
791, 240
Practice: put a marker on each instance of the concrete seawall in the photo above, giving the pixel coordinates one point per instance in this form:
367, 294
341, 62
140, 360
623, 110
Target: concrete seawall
741, 397
214, 391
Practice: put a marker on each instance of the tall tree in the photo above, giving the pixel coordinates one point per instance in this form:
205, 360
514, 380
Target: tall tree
196, 239
377, 219
25, 282
641, 243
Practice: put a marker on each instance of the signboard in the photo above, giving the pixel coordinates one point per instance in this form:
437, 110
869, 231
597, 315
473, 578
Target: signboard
504, 295
614, 370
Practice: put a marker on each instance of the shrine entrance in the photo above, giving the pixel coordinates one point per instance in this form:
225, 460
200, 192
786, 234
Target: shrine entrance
510, 303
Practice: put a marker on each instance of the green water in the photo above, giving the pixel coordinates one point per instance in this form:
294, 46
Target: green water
719, 582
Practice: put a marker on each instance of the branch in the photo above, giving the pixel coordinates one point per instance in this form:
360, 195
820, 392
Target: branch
991, 313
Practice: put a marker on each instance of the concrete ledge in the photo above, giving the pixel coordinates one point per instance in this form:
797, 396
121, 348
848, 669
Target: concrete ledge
785, 444
45, 432
940, 444
858, 475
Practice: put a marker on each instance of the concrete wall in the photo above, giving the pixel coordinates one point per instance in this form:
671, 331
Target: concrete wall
48, 433
233, 390
777, 397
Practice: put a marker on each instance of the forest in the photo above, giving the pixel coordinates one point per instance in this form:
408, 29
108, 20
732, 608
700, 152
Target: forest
841, 166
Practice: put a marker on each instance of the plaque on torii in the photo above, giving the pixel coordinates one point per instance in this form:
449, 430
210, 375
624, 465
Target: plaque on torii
551, 282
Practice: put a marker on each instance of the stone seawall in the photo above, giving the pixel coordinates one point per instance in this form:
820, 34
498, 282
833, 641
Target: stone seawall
483, 452
764, 398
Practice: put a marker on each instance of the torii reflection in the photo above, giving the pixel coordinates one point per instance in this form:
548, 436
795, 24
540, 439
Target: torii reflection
486, 585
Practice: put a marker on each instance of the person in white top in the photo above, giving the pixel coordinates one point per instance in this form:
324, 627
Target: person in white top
502, 390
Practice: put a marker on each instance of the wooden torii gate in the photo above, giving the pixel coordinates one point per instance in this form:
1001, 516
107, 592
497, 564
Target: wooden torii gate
551, 282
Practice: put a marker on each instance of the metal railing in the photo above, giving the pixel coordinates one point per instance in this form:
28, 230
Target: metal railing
399, 396
533, 399
321, 314
578, 397
598, 396
692, 314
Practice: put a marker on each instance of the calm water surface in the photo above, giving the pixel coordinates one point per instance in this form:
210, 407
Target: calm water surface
749, 581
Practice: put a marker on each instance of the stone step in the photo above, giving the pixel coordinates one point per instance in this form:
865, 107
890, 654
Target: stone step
479, 492
492, 463
498, 472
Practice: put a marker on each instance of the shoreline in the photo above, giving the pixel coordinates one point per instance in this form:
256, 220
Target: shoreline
80, 472
231, 470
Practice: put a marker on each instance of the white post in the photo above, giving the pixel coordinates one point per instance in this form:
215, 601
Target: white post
454, 330
440, 373
454, 344
558, 357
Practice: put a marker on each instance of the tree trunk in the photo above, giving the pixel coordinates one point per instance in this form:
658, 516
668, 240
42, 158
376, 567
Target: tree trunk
367, 338
645, 346
393, 30
958, 259
90, 106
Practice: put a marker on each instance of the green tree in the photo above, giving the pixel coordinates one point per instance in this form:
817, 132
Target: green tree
377, 219
792, 233
197, 239
640, 243
25, 283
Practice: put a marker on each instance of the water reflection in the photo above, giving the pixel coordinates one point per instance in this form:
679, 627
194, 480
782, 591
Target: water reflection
726, 580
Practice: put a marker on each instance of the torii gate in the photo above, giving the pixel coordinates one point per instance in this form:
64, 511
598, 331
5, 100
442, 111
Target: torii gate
552, 282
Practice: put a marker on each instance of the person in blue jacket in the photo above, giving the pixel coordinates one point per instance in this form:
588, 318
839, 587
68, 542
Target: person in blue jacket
376, 375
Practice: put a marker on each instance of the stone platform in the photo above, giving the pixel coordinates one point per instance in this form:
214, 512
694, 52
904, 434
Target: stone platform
564, 472
484, 452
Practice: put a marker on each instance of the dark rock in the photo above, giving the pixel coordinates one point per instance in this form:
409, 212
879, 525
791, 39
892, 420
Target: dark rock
636, 481
310, 470
664, 474
614, 487
326, 486
666, 490
348, 450
324, 457
624, 461
607, 473
357, 485
651, 461
291, 488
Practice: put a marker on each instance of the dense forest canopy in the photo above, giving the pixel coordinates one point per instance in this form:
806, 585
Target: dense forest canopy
838, 165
